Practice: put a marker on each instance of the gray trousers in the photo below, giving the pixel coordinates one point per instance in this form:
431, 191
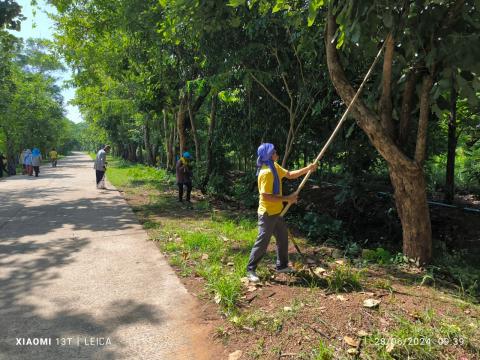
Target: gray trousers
269, 225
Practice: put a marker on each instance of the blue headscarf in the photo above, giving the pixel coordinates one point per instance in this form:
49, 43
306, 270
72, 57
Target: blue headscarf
265, 152
186, 155
35, 152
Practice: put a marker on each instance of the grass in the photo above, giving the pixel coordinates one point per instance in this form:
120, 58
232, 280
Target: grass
344, 278
424, 338
322, 352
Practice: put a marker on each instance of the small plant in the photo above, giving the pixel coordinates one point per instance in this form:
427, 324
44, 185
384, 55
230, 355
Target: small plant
322, 352
345, 279
384, 284
377, 256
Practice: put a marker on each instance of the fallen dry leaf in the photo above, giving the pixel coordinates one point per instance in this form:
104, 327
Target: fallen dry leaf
390, 346
218, 298
251, 288
204, 256
362, 333
341, 298
235, 355
351, 341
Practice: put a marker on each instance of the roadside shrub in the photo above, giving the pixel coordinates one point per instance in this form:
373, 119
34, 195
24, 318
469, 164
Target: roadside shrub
377, 256
322, 228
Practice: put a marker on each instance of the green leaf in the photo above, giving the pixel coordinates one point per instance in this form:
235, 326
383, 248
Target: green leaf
236, 3
280, 5
313, 10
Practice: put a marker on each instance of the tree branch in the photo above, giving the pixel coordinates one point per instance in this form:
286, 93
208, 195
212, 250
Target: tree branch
296, 56
421, 146
407, 103
368, 121
270, 93
385, 106
282, 75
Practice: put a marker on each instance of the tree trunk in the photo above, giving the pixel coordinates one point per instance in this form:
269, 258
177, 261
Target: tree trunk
11, 158
211, 129
148, 146
452, 147
191, 115
412, 207
167, 141
132, 156
181, 125
140, 154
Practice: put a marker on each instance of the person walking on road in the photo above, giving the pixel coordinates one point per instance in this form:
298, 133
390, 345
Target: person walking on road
53, 157
27, 160
21, 161
184, 176
100, 166
270, 206
36, 161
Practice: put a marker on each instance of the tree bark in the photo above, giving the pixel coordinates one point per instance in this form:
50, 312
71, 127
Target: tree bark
412, 207
181, 124
11, 158
169, 142
148, 146
421, 146
191, 115
211, 129
406, 175
139, 150
386, 106
406, 110
132, 156
452, 147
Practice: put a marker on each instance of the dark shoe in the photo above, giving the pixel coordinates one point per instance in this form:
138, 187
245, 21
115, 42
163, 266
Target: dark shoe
286, 270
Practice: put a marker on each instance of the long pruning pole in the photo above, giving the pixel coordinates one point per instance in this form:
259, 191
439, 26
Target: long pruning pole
339, 125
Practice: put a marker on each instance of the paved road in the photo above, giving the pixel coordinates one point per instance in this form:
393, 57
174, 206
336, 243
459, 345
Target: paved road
75, 264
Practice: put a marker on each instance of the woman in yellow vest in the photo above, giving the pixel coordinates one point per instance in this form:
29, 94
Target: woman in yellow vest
270, 205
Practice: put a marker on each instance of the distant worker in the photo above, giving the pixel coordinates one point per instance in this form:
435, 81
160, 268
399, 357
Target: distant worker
184, 176
27, 160
21, 161
53, 157
36, 161
100, 166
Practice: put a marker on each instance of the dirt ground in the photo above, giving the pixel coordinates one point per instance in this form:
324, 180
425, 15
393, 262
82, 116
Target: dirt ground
290, 318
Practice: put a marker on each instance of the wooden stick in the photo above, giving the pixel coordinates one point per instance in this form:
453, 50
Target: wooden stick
338, 127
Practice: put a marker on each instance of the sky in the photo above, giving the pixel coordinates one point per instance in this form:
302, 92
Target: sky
39, 25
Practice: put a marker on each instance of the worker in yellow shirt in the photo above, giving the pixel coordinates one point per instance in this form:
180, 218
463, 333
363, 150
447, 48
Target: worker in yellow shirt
271, 200
53, 157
